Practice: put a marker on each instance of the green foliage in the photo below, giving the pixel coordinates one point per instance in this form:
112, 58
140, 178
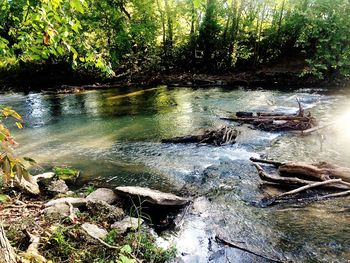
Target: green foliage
66, 244
121, 38
4, 198
112, 237
60, 241
46, 31
144, 243
89, 189
125, 255
66, 173
11, 165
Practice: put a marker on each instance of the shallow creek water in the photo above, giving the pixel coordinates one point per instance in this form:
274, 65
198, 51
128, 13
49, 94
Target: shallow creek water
113, 137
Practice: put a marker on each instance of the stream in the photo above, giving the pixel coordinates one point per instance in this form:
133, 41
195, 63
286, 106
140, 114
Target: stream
113, 137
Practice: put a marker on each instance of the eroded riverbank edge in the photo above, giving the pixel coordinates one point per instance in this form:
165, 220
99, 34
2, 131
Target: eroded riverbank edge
61, 80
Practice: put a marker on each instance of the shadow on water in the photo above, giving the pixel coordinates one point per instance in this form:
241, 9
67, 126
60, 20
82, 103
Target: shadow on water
113, 137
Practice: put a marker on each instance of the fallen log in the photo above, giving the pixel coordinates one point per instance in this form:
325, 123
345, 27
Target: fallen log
294, 181
272, 121
257, 160
266, 118
321, 171
317, 128
298, 169
318, 171
218, 137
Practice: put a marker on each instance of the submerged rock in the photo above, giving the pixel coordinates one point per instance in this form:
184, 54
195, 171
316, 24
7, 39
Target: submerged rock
102, 194
94, 231
126, 224
152, 196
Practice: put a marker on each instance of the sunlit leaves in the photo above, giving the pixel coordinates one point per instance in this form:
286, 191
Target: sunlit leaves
44, 29
77, 5
8, 111
19, 125
132, 35
10, 164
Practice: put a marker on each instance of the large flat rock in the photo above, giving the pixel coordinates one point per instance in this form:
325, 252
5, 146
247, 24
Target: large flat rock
75, 201
102, 194
152, 196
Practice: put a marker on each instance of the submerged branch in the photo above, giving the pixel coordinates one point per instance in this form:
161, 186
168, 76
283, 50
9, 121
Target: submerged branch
237, 246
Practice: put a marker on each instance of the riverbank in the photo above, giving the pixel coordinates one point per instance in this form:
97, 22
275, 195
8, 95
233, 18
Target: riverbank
62, 79
87, 225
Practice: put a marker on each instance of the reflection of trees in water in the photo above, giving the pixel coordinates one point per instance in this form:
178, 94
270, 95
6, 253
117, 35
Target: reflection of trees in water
131, 101
55, 108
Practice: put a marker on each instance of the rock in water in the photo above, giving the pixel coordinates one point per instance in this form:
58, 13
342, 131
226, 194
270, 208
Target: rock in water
94, 231
102, 194
152, 196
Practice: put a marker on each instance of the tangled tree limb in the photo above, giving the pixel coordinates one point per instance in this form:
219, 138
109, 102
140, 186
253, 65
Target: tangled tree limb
308, 186
271, 121
218, 137
328, 180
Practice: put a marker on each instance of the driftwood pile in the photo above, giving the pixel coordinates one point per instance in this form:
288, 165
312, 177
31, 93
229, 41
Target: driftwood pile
305, 176
217, 137
271, 121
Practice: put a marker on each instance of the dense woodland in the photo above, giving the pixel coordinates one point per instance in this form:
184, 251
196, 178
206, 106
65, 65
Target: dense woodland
122, 37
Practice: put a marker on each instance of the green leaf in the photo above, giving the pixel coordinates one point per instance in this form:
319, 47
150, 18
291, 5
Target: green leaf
196, 3
10, 112
75, 53
6, 168
126, 249
77, 5
19, 125
4, 198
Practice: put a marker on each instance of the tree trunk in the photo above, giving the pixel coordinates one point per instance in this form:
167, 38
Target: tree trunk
7, 253
162, 18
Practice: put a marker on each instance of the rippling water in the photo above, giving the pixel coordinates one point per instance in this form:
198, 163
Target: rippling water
114, 135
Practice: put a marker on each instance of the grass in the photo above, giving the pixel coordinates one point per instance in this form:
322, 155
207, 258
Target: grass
70, 244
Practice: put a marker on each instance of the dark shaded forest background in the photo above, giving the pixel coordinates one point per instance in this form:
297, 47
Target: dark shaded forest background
118, 38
